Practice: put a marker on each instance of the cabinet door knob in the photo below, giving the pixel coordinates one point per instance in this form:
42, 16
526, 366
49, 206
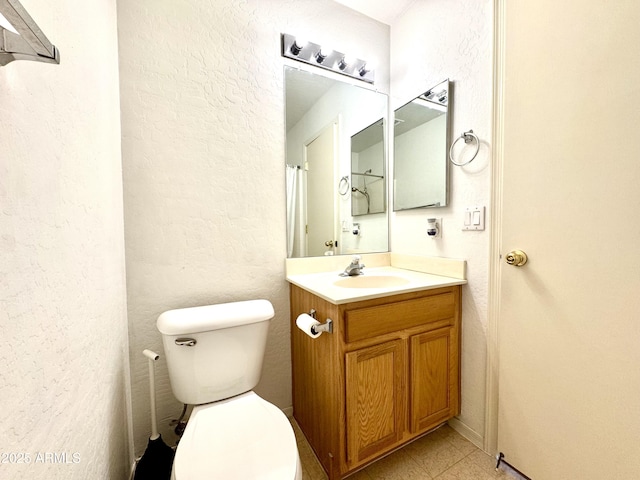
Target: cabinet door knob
517, 258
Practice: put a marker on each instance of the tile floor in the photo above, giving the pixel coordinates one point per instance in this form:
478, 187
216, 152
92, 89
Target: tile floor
441, 455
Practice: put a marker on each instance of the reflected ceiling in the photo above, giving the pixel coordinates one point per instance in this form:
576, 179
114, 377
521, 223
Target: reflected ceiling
302, 94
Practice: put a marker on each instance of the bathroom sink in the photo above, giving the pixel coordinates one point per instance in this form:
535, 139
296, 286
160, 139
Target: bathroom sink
373, 281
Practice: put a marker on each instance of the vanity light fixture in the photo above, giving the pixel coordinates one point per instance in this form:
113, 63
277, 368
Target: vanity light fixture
436, 97
21, 38
333, 60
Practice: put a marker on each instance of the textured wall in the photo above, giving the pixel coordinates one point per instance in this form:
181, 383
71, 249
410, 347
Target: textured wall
63, 385
203, 162
430, 42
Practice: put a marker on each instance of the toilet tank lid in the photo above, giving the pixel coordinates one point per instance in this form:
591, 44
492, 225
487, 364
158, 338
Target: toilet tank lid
214, 317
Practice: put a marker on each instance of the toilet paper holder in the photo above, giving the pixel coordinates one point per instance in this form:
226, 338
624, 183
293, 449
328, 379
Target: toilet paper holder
324, 327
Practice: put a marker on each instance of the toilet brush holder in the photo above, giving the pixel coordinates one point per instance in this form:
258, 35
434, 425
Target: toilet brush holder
157, 460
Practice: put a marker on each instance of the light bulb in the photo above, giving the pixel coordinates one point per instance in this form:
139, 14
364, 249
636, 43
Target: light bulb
322, 54
297, 45
344, 62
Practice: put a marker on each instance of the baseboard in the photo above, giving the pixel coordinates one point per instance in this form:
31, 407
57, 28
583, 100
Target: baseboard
288, 411
467, 432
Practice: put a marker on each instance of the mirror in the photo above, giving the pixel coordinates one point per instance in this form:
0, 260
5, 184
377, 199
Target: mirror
421, 137
367, 170
327, 124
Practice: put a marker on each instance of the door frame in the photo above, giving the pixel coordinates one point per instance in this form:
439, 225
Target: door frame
492, 381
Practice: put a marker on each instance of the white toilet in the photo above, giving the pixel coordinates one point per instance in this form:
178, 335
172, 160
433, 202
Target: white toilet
214, 354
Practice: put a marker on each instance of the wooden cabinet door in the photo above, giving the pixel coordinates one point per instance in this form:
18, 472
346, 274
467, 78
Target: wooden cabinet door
375, 396
434, 378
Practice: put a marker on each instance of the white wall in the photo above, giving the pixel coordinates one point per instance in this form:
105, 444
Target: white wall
203, 156
430, 42
63, 385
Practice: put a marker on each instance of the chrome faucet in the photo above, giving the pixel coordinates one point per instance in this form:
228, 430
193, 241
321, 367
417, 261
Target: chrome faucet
354, 268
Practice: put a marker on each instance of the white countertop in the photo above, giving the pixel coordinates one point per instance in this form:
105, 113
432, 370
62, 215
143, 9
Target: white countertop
322, 283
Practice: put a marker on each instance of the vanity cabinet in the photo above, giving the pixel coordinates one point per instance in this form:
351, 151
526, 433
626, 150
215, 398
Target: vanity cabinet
388, 373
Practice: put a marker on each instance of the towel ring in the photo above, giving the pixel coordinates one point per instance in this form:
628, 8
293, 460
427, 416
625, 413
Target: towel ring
468, 137
344, 180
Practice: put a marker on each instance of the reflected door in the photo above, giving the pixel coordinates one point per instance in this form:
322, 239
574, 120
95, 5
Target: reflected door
569, 325
320, 198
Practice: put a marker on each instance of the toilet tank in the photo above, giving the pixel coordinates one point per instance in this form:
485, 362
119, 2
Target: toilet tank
215, 351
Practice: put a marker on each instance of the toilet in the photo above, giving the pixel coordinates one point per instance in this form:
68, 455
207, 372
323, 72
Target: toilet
214, 355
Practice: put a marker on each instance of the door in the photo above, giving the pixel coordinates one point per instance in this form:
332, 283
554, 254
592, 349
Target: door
319, 167
569, 319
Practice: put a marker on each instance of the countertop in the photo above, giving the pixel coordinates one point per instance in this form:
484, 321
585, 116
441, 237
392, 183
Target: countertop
323, 284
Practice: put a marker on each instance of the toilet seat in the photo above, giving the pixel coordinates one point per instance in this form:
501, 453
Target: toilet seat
244, 437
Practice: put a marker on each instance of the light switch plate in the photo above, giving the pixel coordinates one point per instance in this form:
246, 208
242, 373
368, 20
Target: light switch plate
473, 218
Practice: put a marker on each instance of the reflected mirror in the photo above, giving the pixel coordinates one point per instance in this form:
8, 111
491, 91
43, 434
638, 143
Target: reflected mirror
367, 170
421, 136
324, 118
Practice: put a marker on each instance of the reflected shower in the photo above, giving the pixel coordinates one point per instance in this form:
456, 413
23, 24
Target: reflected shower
364, 192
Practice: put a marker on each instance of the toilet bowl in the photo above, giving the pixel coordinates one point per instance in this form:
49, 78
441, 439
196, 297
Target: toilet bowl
214, 356
244, 437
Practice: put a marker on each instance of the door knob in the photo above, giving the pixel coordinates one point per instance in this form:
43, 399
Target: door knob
516, 258
328, 243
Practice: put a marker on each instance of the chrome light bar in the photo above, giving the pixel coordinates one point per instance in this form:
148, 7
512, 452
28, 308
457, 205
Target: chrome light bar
313, 54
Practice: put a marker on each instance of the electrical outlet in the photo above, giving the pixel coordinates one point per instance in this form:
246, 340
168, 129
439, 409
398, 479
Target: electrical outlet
434, 227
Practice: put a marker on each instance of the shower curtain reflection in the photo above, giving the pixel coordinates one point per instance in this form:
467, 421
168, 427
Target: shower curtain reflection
293, 171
